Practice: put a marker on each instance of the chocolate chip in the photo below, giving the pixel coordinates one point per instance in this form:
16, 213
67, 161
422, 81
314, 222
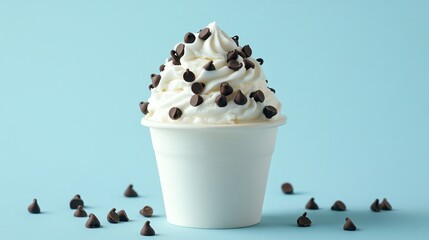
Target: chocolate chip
248, 64
204, 34
92, 222
272, 90
175, 113
76, 201
349, 225
197, 87
221, 101
146, 211
231, 55
241, 54
188, 76
385, 205
375, 206
234, 65
269, 111
209, 66
80, 212
189, 38
258, 96
130, 192
180, 50
162, 67
196, 100
112, 216
151, 87
156, 78
175, 57
287, 188
247, 50
303, 221
225, 89
143, 107
235, 38
260, 60
240, 98
311, 204
34, 207
123, 217
266, 80
147, 230
338, 206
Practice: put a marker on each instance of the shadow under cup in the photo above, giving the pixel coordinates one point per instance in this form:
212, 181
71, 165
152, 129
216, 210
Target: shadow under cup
213, 176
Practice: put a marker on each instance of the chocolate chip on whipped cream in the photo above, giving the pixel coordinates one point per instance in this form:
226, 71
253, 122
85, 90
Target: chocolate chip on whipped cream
234, 65
232, 55
204, 34
188, 76
189, 38
209, 66
247, 50
248, 64
196, 100
197, 87
272, 90
175, 57
156, 78
235, 38
161, 67
225, 89
260, 60
180, 50
175, 113
221, 101
258, 96
240, 98
269, 111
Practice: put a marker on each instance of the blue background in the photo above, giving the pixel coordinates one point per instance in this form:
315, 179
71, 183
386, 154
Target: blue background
353, 77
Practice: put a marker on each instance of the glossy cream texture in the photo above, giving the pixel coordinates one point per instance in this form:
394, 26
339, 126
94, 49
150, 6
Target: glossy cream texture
174, 91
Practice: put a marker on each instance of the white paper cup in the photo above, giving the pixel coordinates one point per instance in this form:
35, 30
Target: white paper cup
213, 176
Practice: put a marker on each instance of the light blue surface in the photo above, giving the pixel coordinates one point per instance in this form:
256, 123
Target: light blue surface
353, 77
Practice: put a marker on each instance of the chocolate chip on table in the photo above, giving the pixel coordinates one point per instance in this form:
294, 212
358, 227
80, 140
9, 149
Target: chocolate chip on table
204, 34
209, 66
147, 230
375, 206
162, 67
175, 113
234, 65
197, 87
175, 57
247, 50
311, 204
112, 216
272, 90
231, 55
260, 60
196, 100
240, 98
123, 217
287, 188
349, 225
248, 64
189, 38
225, 89
130, 192
221, 101
156, 78
303, 221
146, 211
188, 76
180, 50
258, 96
143, 107
34, 207
338, 206
76, 201
235, 38
92, 222
385, 205
80, 212
269, 111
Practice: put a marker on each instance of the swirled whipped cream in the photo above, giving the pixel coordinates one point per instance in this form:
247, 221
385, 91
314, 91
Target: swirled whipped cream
210, 79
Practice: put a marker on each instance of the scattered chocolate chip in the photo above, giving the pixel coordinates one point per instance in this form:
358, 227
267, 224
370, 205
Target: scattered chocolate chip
338, 206
241, 54
196, 100
156, 78
248, 64
311, 204
209, 66
112, 216
375, 206
143, 107
260, 60
221, 101
130, 192
258, 96
225, 89
204, 33
247, 50
269, 111
80, 212
180, 50
162, 67
175, 57
92, 222
147, 230
385, 205
349, 225
231, 55
188, 76
76, 201
303, 221
197, 87
235, 38
123, 217
175, 113
234, 65
151, 87
189, 38
146, 211
240, 98
34, 207
287, 188
272, 90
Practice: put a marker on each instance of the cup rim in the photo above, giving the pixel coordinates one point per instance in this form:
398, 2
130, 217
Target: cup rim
281, 119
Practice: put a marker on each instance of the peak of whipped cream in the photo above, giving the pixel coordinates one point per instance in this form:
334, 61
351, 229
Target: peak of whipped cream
210, 79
